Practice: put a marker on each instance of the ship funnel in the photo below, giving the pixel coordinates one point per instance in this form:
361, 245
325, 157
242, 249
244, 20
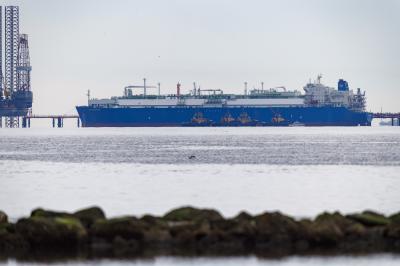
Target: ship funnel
343, 85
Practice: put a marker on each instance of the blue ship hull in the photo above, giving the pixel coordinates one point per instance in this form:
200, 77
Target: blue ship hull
221, 116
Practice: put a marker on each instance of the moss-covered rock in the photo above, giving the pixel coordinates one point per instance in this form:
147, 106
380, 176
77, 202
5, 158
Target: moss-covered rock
71, 226
58, 231
157, 231
201, 231
10, 241
274, 223
7, 228
184, 232
335, 217
127, 227
326, 231
89, 215
39, 212
369, 218
395, 218
123, 247
331, 228
393, 229
155, 222
243, 216
3, 217
275, 230
192, 214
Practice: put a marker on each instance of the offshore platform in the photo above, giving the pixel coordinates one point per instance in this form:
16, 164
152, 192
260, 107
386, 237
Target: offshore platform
15, 83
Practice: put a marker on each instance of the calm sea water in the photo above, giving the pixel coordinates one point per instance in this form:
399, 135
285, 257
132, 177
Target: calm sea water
299, 171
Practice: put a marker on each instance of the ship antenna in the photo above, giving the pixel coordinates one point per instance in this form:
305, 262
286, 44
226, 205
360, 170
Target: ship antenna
245, 88
319, 78
159, 85
88, 96
144, 87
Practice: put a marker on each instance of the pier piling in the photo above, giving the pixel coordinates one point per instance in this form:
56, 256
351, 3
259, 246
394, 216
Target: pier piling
59, 122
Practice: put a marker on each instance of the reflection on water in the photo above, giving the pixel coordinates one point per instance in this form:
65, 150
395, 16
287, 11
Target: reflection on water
382, 260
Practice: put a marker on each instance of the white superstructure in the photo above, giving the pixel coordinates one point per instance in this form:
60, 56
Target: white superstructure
174, 101
316, 94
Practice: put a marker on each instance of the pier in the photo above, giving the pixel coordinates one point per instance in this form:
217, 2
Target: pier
57, 120
25, 121
391, 116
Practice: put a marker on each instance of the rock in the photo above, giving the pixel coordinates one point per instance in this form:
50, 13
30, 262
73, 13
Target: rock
275, 231
38, 230
157, 231
10, 241
356, 229
183, 231
242, 226
369, 218
49, 214
395, 218
89, 215
3, 217
157, 236
154, 221
329, 229
275, 223
192, 214
123, 247
393, 229
71, 227
190, 230
52, 232
326, 230
126, 227
7, 228
232, 235
243, 216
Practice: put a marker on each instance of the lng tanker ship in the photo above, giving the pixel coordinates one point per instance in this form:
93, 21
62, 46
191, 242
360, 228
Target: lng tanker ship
319, 105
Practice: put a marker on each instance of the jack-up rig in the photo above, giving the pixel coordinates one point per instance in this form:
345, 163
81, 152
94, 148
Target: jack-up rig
15, 84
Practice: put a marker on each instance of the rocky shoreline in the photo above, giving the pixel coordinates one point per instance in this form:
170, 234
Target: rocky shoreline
192, 231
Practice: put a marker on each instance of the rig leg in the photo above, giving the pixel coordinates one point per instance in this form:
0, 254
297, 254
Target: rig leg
24, 122
29, 122
78, 122
1, 121
392, 121
12, 122
54, 122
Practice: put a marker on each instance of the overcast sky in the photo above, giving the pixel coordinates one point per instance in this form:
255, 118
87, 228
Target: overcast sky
104, 45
